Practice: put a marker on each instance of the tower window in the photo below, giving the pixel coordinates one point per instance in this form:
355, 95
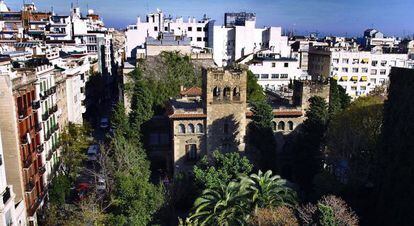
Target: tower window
191, 152
226, 93
190, 128
181, 128
274, 126
290, 125
281, 126
199, 128
216, 93
236, 93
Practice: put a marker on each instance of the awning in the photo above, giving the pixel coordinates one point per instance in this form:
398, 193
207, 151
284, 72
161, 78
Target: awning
365, 60
344, 78
364, 78
354, 78
335, 77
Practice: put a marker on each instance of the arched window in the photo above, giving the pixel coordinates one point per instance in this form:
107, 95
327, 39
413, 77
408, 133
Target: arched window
190, 128
216, 93
236, 93
181, 128
274, 126
290, 125
199, 128
226, 93
281, 126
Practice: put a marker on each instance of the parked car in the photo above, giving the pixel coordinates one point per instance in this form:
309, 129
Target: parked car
82, 190
104, 124
100, 184
93, 152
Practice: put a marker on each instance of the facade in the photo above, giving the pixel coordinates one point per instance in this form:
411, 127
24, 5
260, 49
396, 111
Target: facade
233, 43
274, 72
356, 71
197, 31
60, 28
60, 82
167, 42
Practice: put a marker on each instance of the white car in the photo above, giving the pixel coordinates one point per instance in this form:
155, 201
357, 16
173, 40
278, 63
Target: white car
100, 184
93, 151
104, 123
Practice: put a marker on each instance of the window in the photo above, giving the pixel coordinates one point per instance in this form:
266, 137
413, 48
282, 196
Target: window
290, 125
236, 93
165, 28
199, 128
155, 28
283, 75
384, 63
363, 88
355, 70
345, 60
373, 80
355, 61
226, 93
191, 152
374, 63
335, 60
274, 126
190, 28
344, 69
286, 64
383, 72
364, 70
273, 64
199, 29
265, 76
181, 128
335, 69
257, 75
190, 128
205, 39
281, 126
373, 71
275, 75
353, 88
199, 39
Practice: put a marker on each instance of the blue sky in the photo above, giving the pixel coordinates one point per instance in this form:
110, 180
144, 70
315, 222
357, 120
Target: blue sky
338, 17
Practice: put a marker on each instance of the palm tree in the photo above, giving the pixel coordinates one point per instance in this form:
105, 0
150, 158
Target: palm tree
224, 205
267, 190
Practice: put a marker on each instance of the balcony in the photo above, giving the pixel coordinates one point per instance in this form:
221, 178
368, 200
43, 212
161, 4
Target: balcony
49, 156
48, 135
35, 105
55, 128
22, 113
40, 149
45, 116
53, 109
52, 90
42, 170
24, 140
43, 96
6, 195
38, 127
29, 187
27, 163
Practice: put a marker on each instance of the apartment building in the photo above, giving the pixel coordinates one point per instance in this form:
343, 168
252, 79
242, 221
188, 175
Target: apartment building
196, 30
358, 72
60, 28
21, 136
234, 41
11, 24
274, 72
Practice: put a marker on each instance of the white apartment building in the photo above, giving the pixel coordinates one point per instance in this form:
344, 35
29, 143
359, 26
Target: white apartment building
156, 23
274, 72
48, 117
233, 42
9, 213
358, 72
60, 28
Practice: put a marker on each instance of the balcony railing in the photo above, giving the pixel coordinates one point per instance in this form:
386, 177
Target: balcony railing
27, 163
45, 116
49, 156
38, 127
6, 195
29, 186
52, 89
24, 140
22, 113
42, 170
55, 128
40, 149
43, 96
48, 135
53, 109
35, 105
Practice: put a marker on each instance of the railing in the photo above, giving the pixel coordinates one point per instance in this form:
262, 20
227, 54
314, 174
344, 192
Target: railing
43, 96
29, 186
53, 109
27, 163
48, 135
24, 140
42, 170
35, 104
6, 195
52, 89
38, 127
55, 128
49, 156
40, 149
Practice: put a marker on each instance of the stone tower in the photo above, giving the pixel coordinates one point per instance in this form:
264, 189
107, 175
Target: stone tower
225, 96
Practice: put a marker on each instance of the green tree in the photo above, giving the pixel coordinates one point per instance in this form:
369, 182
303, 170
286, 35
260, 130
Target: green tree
326, 216
267, 190
223, 205
307, 156
75, 141
260, 135
254, 90
59, 190
338, 99
141, 105
221, 169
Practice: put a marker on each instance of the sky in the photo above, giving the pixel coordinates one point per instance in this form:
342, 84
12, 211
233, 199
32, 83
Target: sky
328, 17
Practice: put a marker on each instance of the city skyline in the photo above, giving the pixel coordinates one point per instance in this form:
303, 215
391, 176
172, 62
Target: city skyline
353, 17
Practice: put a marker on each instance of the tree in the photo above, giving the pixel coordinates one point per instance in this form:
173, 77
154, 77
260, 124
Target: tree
260, 135
279, 216
266, 190
254, 90
353, 137
220, 170
75, 140
307, 155
141, 105
338, 99
330, 210
59, 190
224, 205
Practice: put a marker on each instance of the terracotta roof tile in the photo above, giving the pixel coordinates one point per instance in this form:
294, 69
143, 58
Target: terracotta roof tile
192, 91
